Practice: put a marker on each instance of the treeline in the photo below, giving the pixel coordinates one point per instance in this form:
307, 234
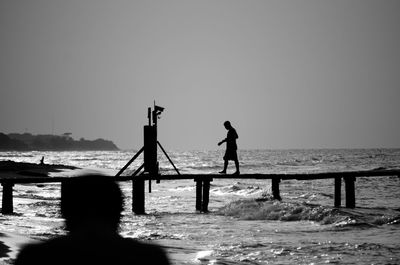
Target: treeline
29, 142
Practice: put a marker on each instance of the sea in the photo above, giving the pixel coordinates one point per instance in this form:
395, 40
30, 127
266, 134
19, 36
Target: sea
244, 225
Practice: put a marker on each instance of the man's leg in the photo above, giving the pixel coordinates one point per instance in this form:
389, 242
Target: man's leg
237, 166
225, 167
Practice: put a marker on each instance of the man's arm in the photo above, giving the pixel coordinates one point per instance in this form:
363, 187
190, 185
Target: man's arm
223, 141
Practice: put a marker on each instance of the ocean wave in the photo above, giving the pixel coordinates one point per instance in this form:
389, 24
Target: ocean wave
32, 196
268, 209
80, 159
237, 188
152, 235
251, 161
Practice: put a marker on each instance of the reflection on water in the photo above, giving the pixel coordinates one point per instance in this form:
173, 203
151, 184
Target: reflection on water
244, 226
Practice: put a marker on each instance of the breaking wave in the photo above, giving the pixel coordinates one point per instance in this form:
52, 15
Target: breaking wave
237, 188
268, 209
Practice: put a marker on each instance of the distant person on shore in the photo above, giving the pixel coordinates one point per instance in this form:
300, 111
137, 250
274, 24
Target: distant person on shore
42, 160
231, 148
91, 206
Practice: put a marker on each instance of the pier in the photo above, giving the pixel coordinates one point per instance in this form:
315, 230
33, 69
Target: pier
149, 171
202, 184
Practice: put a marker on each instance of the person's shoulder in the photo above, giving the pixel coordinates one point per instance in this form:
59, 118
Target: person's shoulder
65, 249
38, 246
34, 252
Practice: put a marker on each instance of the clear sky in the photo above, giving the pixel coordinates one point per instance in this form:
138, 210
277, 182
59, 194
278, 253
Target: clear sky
287, 74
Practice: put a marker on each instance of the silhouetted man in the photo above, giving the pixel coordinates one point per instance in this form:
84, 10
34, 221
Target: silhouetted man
91, 206
231, 147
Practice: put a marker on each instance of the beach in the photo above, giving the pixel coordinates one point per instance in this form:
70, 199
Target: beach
10, 244
244, 226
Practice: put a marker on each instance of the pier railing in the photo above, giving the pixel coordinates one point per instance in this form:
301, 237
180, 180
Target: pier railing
203, 185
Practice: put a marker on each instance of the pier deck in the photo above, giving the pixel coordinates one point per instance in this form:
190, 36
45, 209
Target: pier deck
8, 180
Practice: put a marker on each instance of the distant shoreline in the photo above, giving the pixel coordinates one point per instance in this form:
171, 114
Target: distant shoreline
30, 142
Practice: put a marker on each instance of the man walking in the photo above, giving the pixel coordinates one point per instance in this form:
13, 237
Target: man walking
231, 148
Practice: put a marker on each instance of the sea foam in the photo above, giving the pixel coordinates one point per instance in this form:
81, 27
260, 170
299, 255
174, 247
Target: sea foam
267, 209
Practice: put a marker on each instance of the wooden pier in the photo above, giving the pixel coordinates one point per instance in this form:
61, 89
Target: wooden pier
149, 171
202, 183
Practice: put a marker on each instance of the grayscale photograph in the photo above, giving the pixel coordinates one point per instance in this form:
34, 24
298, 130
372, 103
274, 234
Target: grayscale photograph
199, 132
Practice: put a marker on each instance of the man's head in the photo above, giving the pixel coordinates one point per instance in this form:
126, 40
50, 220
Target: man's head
227, 125
92, 199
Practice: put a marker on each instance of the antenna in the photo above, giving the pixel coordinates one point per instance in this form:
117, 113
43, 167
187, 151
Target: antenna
149, 149
150, 164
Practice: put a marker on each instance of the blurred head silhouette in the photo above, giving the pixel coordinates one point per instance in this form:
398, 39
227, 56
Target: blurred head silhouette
91, 206
91, 201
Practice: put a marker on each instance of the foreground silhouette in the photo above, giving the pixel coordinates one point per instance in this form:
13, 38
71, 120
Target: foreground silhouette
231, 147
91, 206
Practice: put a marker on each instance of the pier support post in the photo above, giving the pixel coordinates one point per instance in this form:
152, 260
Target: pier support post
206, 196
199, 194
350, 192
338, 191
7, 200
138, 196
275, 189
202, 194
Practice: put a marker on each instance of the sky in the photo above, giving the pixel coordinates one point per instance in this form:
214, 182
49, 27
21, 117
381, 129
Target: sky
287, 74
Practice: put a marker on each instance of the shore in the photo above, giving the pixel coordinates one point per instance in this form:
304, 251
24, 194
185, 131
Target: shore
12, 169
10, 244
